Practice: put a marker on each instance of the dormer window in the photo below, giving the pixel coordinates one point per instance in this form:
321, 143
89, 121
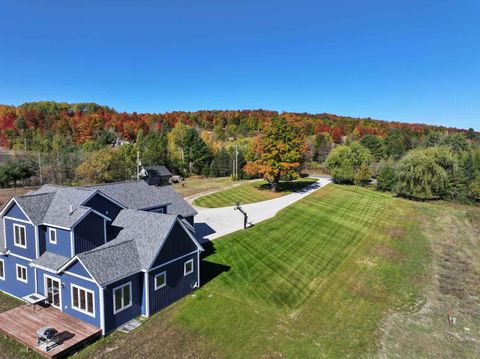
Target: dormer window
19, 236
52, 235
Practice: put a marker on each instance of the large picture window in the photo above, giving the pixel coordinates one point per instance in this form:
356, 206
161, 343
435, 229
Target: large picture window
83, 300
19, 236
122, 297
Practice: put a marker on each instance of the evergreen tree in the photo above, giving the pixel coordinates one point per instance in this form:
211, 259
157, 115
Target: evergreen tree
374, 145
395, 144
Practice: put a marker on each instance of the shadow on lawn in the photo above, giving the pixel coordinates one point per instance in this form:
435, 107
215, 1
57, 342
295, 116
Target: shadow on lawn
288, 186
209, 270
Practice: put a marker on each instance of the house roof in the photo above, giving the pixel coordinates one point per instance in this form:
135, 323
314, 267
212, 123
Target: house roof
134, 249
158, 170
112, 261
139, 195
50, 261
56, 205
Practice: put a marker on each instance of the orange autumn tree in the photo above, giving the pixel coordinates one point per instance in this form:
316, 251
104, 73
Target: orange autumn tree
278, 151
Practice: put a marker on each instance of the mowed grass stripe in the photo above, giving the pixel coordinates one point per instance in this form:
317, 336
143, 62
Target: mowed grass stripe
252, 192
310, 282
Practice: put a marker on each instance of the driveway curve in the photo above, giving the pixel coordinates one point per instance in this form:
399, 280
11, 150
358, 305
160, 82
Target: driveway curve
211, 223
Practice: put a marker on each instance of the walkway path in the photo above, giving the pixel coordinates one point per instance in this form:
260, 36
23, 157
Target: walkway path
211, 223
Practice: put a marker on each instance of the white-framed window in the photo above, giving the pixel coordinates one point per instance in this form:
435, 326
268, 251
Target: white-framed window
188, 267
122, 297
19, 235
83, 300
160, 280
2, 269
21, 273
52, 235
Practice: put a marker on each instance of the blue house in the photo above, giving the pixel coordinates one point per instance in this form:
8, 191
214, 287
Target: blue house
104, 254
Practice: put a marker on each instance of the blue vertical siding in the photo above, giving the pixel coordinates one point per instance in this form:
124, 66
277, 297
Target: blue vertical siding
30, 251
177, 286
13, 286
66, 295
112, 321
63, 246
78, 269
104, 206
89, 233
176, 245
16, 212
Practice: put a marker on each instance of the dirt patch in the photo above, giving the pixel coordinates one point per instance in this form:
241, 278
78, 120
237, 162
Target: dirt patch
389, 253
395, 233
451, 289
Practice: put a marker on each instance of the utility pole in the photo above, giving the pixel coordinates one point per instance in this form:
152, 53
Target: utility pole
138, 165
40, 168
236, 163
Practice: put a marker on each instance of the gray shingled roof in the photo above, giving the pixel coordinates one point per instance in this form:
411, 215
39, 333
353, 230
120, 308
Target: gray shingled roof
158, 170
139, 195
51, 204
113, 260
134, 249
51, 261
148, 229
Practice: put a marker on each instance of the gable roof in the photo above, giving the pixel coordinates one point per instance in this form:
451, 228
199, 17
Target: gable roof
158, 171
149, 230
55, 205
139, 195
134, 249
111, 261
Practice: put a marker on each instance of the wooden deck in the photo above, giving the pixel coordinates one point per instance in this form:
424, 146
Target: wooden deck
22, 323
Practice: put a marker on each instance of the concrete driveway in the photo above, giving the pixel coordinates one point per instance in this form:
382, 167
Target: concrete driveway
211, 223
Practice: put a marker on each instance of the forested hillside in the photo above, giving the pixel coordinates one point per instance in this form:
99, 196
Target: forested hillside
86, 142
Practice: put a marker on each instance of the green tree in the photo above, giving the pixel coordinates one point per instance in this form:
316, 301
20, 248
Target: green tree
350, 164
374, 144
395, 144
420, 176
474, 189
196, 151
456, 141
387, 177
322, 146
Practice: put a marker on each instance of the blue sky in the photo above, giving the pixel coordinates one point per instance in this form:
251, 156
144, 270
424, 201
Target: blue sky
416, 61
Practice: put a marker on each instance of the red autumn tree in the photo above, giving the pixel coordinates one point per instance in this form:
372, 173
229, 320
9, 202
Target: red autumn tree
337, 135
279, 151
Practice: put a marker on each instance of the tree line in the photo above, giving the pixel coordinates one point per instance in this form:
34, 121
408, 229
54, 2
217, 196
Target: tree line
442, 166
88, 143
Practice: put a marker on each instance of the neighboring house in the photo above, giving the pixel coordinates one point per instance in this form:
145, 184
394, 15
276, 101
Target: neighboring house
104, 254
157, 175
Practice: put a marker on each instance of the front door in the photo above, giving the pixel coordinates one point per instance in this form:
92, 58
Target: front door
52, 291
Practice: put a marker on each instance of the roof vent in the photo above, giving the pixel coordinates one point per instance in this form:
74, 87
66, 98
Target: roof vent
71, 209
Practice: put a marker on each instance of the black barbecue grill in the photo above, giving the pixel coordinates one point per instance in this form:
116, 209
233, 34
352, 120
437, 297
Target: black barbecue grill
49, 337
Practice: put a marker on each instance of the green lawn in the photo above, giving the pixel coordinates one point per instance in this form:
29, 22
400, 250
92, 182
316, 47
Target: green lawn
315, 281
194, 185
251, 192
